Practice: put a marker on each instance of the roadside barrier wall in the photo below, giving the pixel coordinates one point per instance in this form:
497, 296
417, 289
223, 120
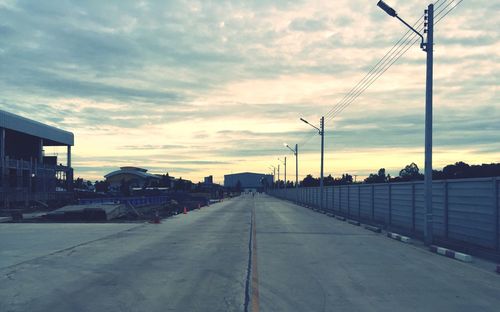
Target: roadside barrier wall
466, 212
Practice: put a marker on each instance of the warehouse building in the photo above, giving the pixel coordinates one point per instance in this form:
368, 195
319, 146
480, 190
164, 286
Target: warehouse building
26, 174
248, 181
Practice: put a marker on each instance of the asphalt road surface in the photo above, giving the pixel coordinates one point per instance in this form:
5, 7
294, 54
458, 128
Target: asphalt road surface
245, 254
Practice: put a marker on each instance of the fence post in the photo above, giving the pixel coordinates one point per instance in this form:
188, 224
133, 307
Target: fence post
446, 211
413, 206
373, 202
359, 202
340, 198
390, 204
496, 212
333, 197
348, 200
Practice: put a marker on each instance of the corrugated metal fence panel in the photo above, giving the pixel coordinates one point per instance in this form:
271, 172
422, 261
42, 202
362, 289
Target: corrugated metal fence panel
402, 205
366, 201
329, 198
381, 198
315, 197
336, 198
438, 207
353, 201
471, 215
497, 186
419, 207
343, 199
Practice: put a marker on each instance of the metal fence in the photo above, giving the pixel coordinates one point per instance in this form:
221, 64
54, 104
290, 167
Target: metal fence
465, 211
135, 201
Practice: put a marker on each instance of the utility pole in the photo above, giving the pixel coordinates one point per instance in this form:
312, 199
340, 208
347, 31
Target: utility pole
428, 48
428, 124
297, 173
285, 173
296, 154
279, 176
321, 132
321, 186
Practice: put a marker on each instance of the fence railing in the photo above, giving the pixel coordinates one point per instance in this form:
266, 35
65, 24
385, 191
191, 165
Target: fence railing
466, 212
135, 201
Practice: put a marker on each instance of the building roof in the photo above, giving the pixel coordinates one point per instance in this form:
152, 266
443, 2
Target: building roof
246, 173
142, 173
52, 136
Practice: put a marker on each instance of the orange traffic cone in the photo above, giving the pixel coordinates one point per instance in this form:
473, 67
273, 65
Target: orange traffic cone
185, 210
156, 219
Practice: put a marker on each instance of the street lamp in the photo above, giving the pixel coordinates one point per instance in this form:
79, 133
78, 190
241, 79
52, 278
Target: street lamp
321, 132
426, 47
284, 162
296, 153
274, 174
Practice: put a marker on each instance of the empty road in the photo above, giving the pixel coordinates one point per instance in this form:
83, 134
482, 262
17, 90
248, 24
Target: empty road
245, 254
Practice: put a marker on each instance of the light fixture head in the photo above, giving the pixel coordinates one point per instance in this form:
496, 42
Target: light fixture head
381, 4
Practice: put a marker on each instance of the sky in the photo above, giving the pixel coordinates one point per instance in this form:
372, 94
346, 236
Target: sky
198, 88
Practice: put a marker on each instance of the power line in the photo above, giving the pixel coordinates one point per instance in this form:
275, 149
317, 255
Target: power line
380, 63
390, 57
448, 12
337, 109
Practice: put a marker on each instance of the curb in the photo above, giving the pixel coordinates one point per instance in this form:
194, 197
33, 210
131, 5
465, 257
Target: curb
354, 222
330, 214
373, 228
340, 218
398, 237
451, 253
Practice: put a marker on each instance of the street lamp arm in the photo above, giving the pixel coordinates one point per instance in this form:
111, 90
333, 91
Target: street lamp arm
391, 12
294, 152
319, 131
422, 45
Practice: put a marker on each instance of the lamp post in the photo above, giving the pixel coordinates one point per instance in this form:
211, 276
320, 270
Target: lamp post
296, 153
428, 48
321, 132
279, 177
274, 174
284, 162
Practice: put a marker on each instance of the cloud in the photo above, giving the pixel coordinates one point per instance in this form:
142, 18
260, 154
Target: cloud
220, 85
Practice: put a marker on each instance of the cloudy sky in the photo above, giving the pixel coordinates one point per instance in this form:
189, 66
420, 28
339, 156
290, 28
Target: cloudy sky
195, 88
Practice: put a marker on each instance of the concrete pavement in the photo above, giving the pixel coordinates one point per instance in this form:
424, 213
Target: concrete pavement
299, 260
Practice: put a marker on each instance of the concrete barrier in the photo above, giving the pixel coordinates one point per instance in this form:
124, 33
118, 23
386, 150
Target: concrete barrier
450, 253
398, 237
372, 228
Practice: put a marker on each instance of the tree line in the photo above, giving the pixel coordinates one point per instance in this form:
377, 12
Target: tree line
411, 172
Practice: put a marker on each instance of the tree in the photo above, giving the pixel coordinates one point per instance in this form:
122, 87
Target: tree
380, 177
410, 173
329, 180
309, 181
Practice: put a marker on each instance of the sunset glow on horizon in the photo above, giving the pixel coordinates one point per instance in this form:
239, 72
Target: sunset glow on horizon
197, 88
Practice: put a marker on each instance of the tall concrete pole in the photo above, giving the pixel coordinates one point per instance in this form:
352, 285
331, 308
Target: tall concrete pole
274, 177
297, 173
285, 173
279, 176
321, 186
428, 127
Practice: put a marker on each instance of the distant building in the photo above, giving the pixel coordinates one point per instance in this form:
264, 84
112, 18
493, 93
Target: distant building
208, 180
134, 176
26, 174
248, 181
